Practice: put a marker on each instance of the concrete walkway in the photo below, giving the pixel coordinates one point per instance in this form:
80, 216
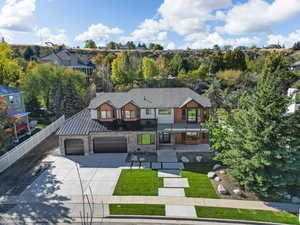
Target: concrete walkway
166, 200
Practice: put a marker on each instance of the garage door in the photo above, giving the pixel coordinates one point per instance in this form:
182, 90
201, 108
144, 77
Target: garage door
110, 145
74, 147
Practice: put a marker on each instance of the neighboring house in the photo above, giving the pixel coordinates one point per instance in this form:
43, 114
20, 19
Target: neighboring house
70, 59
21, 125
295, 95
142, 119
295, 66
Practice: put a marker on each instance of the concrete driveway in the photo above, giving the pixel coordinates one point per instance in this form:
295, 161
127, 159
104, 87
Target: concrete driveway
99, 173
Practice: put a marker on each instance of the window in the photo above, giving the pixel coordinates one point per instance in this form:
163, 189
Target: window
146, 139
130, 114
192, 115
14, 99
148, 111
106, 114
191, 136
164, 111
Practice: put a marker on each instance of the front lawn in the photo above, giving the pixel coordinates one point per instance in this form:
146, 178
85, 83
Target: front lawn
138, 182
246, 214
200, 185
137, 209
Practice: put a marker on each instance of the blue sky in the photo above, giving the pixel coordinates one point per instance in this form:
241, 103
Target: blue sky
172, 23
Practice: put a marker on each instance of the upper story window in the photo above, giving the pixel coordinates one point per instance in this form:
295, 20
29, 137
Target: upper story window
148, 111
14, 99
164, 112
130, 114
106, 114
191, 136
192, 115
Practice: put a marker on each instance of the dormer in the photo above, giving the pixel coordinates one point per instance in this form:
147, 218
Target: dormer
130, 112
104, 112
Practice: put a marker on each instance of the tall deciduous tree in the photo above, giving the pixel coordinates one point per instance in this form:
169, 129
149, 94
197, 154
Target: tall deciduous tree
90, 44
149, 68
10, 71
264, 142
4, 121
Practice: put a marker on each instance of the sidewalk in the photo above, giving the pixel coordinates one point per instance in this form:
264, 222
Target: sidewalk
274, 206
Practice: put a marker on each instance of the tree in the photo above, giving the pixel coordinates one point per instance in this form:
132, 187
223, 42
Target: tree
4, 121
130, 45
262, 155
149, 68
215, 95
176, 64
235, 60
230, 77
112, 45
153, 47
122, 70
10, 71
216, 62
28, 53
216, 48
90, 44
72, 100
296, 46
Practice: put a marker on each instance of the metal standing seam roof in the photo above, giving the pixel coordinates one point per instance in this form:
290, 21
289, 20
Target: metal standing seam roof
150, 98
5, 90
81, 124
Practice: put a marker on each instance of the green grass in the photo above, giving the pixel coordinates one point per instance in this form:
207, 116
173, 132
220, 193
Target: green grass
138, 182
137, 209
200, 185
246, 214
41, 126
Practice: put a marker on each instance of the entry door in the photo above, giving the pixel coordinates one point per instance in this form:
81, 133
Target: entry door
164, 138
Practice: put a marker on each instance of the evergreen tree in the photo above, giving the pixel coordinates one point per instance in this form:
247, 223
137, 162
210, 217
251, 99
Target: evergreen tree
28, 53
72, 100
90, 44
216, 62
261, 156
215, 95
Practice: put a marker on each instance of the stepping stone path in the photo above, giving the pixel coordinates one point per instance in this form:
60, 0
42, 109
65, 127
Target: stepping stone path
176, 182
178, 192
169, 173
180, 211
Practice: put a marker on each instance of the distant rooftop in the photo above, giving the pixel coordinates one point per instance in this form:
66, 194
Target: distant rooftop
5, 90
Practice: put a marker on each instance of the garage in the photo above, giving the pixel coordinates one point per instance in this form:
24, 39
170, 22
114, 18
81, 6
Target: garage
110, 145
74, 147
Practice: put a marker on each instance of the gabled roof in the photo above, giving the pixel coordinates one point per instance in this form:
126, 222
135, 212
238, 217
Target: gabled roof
150, 98
67, 58
5, 90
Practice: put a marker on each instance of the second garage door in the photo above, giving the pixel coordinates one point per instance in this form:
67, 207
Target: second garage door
110, 145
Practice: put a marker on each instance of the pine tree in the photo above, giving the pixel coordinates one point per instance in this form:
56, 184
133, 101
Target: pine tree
215, 95
72, 101
261, 156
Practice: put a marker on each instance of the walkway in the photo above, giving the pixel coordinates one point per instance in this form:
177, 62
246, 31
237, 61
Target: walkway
274, 206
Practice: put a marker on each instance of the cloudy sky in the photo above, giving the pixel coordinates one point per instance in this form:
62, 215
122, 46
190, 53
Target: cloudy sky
173, 23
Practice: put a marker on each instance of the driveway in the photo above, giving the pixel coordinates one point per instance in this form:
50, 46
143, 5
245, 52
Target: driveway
99, 173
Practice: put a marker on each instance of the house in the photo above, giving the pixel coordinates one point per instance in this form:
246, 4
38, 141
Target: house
142, 119
70, 59
14, 100
294, 94
295, 66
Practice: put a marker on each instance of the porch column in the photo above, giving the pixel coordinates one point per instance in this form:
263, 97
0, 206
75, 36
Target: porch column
28, 125
15, 131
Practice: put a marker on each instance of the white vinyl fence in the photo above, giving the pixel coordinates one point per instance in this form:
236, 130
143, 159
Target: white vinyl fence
20, 150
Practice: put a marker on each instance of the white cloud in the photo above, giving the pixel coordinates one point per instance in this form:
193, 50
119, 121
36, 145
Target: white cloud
171, 46
288, 41
185, 17
148, 31
99, 33
257, 16
215, 38
17, 15
46, 35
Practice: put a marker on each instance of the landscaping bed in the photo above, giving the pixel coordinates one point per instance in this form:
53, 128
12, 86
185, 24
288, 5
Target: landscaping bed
200, 185
246, 214
137, 209
138, 182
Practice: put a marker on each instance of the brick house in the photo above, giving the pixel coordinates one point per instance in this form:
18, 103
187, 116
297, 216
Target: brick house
142, 119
